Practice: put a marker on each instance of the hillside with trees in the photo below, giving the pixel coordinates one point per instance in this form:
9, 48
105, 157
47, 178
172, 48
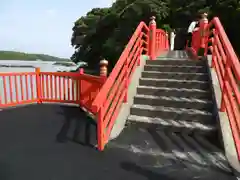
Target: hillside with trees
13, 55
104, 32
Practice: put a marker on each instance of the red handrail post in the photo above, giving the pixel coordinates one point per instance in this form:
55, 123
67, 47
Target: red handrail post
38, 85
203, 34
225, 79
126, 70
214, 46
81, 72
100, 132
100, 123
152, 38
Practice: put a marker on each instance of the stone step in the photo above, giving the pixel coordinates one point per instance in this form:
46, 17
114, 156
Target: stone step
177, 92
175, 75
176, 54
175, 62
171, 124
177, 114
172, 152
174, 83
175, 68
172, 101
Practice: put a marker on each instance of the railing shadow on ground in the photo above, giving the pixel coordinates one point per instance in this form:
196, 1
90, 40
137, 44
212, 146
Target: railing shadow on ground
44, 122
76, 126
20, 90
84, 131
151, 175
159, 149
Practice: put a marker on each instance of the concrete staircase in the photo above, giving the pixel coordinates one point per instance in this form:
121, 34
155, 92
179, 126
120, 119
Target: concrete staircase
174, 103
175, 94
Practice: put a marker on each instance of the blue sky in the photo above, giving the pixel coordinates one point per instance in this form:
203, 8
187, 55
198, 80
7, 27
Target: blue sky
42, 26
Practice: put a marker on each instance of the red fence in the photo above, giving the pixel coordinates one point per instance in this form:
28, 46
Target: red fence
161, 43
37, 87
114, 92
18, 88
227, 66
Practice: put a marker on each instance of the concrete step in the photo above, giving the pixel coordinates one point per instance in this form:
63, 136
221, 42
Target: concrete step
177, 92
178, 155
176, 54
171, 124
174, 83
175, 75
175, 68
178, 114
172, 101
175, 62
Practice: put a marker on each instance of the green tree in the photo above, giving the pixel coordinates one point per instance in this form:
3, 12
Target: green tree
107, 36
104, 32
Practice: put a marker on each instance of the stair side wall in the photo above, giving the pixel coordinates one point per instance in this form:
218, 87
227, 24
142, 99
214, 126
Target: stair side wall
222, 118
125, 108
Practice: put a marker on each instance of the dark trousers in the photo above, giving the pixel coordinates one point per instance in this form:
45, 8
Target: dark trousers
189, 39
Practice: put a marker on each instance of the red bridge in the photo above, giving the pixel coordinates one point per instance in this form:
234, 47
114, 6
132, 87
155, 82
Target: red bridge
159, 114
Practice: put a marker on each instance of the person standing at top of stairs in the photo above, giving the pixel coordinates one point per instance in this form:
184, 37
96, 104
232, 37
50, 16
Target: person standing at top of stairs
172, 38
191, 28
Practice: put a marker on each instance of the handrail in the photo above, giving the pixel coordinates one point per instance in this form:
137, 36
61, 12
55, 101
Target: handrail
228, 47
98, 102
114, 91
227, 67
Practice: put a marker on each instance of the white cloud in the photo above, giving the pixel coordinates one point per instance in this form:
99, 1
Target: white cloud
51, 12
105, 3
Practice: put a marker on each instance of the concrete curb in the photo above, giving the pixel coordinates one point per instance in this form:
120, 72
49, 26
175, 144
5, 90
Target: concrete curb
225, 133
125, 109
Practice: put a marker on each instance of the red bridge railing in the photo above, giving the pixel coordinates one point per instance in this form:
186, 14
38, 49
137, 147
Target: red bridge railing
161, 41
211, 36
56, 87
114, 92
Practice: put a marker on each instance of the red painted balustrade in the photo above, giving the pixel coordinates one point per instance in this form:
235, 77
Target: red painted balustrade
114, 92
53, 87
212, 36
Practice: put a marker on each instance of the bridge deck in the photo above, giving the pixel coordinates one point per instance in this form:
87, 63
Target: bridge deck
29, 150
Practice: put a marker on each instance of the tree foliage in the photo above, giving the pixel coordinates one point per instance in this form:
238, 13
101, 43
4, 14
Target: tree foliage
104, 32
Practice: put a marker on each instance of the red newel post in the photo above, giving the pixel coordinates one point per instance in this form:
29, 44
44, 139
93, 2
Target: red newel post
38, 85
152, 38
81, 71
100, 125
79, 84
203, 34
100, 131
103, 68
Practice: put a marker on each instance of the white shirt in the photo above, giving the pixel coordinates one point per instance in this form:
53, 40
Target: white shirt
172, 40
172, 34
192, 26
